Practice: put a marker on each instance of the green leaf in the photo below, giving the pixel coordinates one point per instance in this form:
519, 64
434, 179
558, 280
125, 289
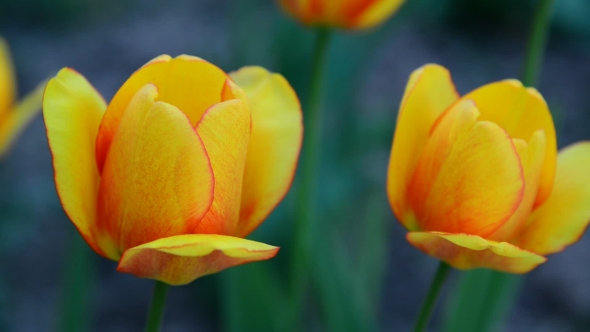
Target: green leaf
75, 307
482, 301
253, 298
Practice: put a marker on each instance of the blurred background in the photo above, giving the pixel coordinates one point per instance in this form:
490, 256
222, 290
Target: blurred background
365, 276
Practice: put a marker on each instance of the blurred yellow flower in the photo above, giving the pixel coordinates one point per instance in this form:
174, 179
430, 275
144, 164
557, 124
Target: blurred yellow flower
477, 180
183, 163
348, 14
14, 116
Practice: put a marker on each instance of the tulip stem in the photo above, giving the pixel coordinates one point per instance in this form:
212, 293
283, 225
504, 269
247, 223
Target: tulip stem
433, 293
156, 310
309, 174
537, 43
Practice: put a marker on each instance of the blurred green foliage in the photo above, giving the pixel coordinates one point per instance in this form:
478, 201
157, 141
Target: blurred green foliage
58, 13
349, 269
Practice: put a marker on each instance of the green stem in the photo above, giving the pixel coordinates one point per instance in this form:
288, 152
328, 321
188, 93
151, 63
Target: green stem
156, 310
502, 290
77, 285
537, 43
309, 174
433, 293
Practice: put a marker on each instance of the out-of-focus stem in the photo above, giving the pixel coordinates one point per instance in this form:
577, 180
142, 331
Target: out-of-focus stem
433, 293
309, 174
76, 287
156, 310
537, 43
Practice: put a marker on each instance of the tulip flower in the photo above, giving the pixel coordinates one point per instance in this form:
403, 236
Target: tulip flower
183, 163
14, 116
347, 14
477, 180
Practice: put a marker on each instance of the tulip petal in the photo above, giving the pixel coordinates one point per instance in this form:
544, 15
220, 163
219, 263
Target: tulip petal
430, 91
275, 142
464, 252
189, 83
562, 219
7, 79
225, 130
178, 260
157, 179
17, 119
521, 112
72, 110
469, 179
532, 158
377, 12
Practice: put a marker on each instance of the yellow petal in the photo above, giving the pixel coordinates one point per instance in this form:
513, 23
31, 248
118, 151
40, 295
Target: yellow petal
189, 83
178, 260
377, 12
465, 252
7, 79
17, 119
429, 92
225, 130
532, 157
72, 110
275, 142
157, 179
469, 179
562, 219
521, 112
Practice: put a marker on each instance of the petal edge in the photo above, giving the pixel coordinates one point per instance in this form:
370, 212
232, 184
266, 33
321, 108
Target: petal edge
178, 260
275, 143
72, 110
565, 215
465, 252
429, 92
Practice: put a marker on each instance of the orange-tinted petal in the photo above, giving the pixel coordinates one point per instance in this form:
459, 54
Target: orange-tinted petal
7, 80
376, 13
521, 112
178, 260
72, 110
532, 157
465, 252
225, 130
275, 142
562, 219
189, 83
429, 92
352, 14
157, 179
469, 179
17, 119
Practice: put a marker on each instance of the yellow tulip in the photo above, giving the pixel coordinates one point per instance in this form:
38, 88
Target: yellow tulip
183, 164
348, 14
14, 117
477, 180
